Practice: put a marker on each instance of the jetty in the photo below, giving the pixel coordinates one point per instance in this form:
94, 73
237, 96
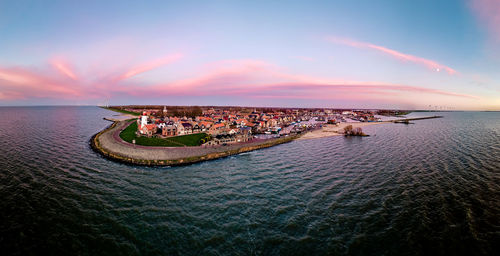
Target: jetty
407, 120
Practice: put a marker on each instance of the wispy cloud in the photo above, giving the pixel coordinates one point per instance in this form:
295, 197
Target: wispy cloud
64, 67
433, 65
250, 78
229, 78
25, 83
147, 66
362, 88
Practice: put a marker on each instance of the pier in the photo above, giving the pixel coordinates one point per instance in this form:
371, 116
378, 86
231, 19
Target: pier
407, 120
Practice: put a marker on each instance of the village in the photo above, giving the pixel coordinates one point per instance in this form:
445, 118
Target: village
225, 125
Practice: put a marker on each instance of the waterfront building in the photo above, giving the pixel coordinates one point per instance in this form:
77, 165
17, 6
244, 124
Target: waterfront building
148, 130
187, 128
169, 130
217, 128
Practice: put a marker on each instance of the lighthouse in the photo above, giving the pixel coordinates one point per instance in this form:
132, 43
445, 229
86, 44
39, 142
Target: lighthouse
144, 120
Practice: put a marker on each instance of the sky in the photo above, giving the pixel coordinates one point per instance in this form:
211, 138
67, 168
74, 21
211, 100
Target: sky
389, 54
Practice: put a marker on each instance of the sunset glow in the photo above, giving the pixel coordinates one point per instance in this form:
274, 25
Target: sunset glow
404, 57
237, 54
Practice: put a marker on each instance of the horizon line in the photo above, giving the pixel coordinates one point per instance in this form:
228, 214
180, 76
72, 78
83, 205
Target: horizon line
229, 106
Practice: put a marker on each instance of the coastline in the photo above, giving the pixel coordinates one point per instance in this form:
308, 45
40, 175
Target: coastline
109, 144
336, 130
329, 130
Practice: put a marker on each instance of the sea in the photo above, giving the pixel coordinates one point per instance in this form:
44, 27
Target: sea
427, 188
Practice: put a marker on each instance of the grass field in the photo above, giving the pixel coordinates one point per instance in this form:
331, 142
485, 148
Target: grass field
122, 111
128, 134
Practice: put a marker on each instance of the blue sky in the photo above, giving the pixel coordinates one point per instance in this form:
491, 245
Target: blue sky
373, 54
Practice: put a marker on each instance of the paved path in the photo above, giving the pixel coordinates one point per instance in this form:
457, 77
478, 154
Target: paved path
111, 142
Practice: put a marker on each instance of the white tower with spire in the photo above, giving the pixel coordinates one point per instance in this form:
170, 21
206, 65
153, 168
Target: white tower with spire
144, 121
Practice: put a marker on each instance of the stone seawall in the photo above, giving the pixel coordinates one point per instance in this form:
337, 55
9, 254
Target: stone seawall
108, 144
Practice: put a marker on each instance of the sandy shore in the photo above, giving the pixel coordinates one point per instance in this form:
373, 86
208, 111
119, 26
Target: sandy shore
334, 130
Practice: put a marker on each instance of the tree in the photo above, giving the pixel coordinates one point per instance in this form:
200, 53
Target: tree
357, 131
348, 130
196, 111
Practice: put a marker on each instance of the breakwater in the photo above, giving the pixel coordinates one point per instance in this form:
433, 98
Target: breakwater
110, 145
407, 120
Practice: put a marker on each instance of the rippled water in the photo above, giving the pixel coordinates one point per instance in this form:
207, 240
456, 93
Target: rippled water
432, 187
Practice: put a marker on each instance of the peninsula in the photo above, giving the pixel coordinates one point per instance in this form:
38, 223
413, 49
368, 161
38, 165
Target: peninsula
173, 135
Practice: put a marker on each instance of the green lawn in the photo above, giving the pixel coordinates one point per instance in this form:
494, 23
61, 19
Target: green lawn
189, 140
128, 134
122, 111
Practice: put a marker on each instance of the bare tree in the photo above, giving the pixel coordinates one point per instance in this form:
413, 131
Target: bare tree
350, 131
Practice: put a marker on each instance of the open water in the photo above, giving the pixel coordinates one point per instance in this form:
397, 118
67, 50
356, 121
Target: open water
429, 188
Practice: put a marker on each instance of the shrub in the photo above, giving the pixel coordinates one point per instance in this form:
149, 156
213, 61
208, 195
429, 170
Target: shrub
349, 131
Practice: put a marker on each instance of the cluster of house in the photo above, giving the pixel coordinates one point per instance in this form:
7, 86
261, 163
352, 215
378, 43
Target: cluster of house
360, 115
227, 126
223, 129
149, 125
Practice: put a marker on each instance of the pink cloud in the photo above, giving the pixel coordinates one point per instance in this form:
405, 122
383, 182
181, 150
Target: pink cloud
17, 76
365, 88
25, 83
399, 55
229, 78
488, 11
63, 67
11, 96
249, 78
311, 90
226, 73
147, 66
